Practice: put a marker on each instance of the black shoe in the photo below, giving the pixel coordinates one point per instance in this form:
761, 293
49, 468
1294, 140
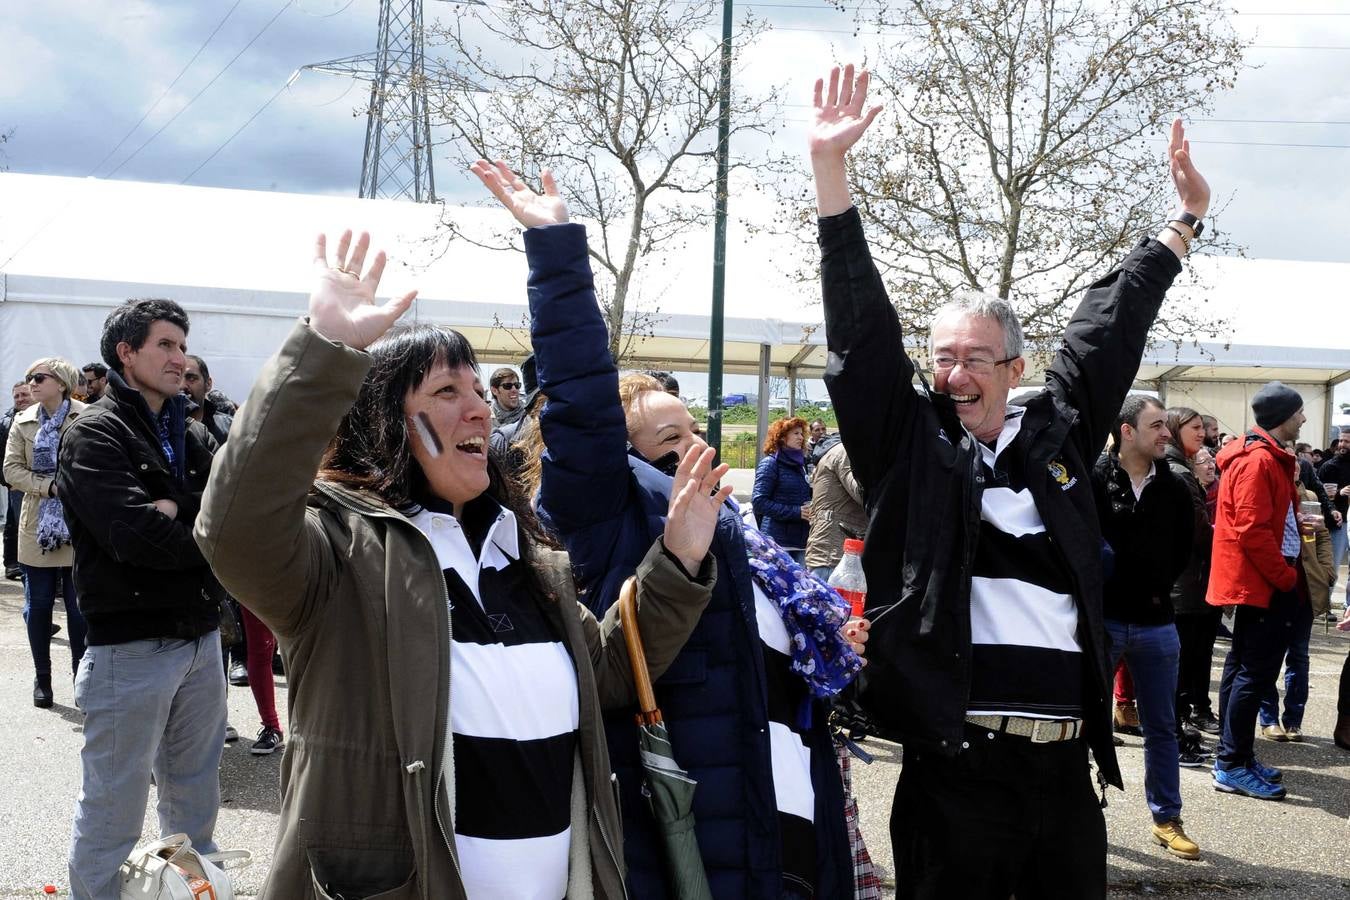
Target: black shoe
277, 667
55, 629
14, 573
1207, 722
269, 741
1189, 759
238, 674
42, 692
1190, 732
1222, 633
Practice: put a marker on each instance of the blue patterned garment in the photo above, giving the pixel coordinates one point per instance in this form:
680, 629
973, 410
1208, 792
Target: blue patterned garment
812, 612
52, 533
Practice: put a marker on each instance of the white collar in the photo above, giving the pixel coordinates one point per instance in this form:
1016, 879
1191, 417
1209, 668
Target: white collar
453, 551
1012, 424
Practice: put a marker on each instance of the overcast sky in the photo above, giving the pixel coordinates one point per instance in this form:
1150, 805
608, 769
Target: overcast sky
77, 76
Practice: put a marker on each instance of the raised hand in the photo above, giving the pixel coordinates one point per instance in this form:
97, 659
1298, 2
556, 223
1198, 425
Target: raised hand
1192, 189
342, 305
529, 208
840, 118
695, 501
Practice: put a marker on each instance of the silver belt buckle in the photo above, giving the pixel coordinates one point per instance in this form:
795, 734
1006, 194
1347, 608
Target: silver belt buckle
1055, 731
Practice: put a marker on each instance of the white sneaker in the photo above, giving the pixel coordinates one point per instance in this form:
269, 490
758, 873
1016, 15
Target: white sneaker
230, 734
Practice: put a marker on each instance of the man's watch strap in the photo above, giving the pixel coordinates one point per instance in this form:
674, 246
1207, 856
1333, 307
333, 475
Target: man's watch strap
1192, 222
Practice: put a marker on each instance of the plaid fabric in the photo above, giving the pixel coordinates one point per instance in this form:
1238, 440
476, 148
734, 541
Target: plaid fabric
866, 880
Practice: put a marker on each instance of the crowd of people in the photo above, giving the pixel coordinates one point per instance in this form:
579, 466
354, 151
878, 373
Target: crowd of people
387, 523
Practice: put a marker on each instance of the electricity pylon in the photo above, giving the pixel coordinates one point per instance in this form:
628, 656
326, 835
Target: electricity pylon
396, 163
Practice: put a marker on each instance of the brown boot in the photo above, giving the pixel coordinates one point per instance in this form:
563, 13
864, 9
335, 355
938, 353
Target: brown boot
1342, 733
1127, 719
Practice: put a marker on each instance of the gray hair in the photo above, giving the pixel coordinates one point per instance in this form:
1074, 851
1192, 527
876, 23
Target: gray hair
985, 306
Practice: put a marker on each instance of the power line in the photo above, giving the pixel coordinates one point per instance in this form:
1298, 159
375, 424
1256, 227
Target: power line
155, 105
240, 129
284, 6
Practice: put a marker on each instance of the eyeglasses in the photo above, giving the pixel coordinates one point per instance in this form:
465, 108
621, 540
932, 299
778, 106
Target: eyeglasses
975, 365
509, 385
38, 377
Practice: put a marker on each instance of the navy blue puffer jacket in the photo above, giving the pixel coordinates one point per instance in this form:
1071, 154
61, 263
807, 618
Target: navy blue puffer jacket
607, 507
781, 490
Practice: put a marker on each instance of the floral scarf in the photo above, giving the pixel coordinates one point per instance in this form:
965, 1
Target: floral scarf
812, 612
52, 533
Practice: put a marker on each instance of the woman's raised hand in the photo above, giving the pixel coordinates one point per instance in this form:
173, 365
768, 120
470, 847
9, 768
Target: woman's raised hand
695, 501
342, 305
529, 208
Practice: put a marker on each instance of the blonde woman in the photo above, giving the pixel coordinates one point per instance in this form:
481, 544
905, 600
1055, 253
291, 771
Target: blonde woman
45, 554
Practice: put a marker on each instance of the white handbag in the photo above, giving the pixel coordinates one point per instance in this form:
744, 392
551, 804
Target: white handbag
169, 869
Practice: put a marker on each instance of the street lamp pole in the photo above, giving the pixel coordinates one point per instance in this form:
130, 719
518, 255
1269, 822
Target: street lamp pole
720, 238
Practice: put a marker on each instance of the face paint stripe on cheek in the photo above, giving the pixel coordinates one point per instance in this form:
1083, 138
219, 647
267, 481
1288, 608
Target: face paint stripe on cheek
427, 434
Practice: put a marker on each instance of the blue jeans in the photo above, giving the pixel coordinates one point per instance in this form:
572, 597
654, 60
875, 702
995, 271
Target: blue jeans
1152, 653
40, 585
1260, 639
149, 706
1295, 674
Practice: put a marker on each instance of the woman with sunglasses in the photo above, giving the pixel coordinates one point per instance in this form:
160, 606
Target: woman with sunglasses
45, 552
446, 686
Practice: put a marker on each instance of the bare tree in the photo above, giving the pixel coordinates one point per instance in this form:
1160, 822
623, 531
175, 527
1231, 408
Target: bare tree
618, 97
1017, 153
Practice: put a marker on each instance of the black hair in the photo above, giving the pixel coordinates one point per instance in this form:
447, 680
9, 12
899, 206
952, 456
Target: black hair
99, 369
201, 364
372, 449
668, 382
1129, 413
131, 323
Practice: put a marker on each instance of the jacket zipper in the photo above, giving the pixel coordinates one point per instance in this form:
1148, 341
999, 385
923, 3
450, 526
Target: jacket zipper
445, 602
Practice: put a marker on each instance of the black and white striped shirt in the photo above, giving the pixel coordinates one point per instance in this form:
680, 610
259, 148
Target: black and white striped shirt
791, 755
514, 712
1025, 656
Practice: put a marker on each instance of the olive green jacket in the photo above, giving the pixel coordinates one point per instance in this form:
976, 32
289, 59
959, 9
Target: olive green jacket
358, 601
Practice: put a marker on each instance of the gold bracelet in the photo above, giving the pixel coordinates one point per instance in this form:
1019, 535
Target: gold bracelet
1185, 241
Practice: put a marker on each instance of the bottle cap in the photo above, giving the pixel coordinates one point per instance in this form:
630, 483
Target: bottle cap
853, 545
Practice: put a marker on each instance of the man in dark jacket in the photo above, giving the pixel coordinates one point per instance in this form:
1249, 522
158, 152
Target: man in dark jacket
1147, 517
1336, 471
197, 384
151, 684
13, 499
983, 558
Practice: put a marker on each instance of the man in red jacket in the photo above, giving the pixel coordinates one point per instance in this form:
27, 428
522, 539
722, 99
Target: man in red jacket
1254, 567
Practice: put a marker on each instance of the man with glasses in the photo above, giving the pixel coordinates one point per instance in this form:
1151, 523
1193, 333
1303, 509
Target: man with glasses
506, 406
95, 381
987, 655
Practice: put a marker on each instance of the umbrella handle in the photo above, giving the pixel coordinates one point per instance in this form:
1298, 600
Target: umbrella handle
637, 657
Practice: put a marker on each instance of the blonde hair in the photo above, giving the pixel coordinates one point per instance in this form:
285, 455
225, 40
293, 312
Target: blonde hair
63, 369
631, 387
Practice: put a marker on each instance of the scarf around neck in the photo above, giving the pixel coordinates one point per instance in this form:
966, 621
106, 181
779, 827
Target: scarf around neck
51, 527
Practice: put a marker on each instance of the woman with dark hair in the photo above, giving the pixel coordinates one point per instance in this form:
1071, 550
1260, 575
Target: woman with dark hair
746, 701
1196, 621
782, 494
45, 551
446, 686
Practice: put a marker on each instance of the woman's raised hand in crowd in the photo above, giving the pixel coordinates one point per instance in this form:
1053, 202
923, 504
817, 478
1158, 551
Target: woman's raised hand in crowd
695, 501
342, 305
529, 208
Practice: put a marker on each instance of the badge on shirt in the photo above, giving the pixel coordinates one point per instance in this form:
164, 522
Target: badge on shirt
1060, 473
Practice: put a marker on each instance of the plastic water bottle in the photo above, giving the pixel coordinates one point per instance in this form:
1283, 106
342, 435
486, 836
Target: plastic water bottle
848, 578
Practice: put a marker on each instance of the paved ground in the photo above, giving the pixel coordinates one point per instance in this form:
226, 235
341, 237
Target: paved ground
1283, 851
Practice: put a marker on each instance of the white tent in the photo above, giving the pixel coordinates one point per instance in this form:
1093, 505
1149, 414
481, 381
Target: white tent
239, 262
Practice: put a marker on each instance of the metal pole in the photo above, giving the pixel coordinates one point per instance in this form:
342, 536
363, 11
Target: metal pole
720, 237
762, 429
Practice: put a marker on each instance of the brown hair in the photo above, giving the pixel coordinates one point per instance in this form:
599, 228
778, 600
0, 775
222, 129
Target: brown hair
631, 387
1177, 418
778, 432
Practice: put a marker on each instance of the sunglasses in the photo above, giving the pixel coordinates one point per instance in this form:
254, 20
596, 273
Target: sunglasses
509, 385
38, 377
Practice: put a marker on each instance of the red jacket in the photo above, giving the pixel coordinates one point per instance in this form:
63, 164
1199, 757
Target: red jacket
1256, 489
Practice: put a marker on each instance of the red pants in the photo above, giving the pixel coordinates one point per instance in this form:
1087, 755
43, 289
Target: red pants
261, 646
1124, 688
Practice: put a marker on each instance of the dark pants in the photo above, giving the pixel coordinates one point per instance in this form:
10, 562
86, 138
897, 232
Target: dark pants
1004, 817
40, 587
1196, 632
14, 499
1343, 702
1260, 639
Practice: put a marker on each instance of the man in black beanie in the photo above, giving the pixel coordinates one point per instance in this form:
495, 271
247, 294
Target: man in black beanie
1254, 566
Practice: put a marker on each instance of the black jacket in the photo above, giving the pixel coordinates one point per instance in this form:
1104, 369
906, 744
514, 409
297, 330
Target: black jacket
920, 474
138, 573
1188, 593
5, 422
1152, 538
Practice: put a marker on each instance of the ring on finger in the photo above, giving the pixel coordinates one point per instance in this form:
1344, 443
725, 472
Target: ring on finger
346, 271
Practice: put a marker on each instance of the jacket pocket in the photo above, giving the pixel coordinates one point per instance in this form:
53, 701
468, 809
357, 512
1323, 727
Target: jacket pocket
345, 873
